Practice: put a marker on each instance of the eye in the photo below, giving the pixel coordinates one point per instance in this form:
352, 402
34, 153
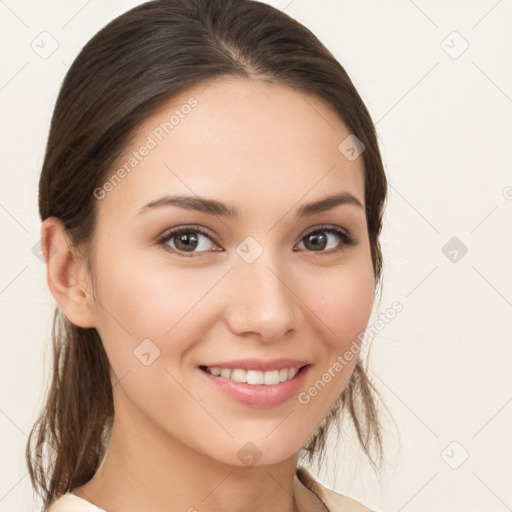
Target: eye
186, 240
318, 239
190, 240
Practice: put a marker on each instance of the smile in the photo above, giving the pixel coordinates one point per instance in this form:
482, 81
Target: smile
253, 377
257, 388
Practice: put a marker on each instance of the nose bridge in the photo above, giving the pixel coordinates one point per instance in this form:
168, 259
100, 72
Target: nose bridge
261, 300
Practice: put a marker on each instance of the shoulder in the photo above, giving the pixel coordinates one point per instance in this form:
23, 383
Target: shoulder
72, 503
333, 501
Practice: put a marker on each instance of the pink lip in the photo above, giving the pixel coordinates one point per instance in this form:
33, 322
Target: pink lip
259, 364
260, 395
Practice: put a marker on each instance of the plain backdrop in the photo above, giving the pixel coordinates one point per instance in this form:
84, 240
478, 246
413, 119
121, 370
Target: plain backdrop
436, 77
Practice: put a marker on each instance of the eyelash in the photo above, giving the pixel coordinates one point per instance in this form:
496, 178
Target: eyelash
347, 240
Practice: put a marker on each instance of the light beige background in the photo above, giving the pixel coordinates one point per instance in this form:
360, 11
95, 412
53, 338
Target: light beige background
444, 121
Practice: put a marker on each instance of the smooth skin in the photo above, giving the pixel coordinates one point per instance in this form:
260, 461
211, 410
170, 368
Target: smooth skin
266, 150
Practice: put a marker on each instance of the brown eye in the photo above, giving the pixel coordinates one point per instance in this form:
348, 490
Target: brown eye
316, 241
186, 240
325, 238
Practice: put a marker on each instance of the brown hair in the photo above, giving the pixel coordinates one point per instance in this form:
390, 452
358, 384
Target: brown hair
123, 75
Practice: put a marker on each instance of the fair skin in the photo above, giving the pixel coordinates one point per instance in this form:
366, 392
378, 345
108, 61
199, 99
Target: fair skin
265, 150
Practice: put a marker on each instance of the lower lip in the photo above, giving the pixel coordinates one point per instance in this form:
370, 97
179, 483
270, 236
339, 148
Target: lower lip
259, 395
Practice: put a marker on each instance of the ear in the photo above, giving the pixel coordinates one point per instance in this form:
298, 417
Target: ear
67, 274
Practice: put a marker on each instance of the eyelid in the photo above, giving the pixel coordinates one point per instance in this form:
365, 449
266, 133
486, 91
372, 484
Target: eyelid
327, 227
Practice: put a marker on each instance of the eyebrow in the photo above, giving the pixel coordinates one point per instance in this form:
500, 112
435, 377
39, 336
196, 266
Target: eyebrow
213, 207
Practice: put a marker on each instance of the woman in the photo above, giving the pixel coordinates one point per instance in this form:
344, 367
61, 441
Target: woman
211, 196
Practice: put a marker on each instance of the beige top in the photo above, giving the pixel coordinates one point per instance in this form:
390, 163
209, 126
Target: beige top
309, 494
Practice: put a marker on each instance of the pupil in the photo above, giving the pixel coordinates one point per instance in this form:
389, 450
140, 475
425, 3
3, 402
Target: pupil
318, 241
188, 241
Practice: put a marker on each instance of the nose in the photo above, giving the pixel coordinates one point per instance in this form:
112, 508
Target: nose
261, 300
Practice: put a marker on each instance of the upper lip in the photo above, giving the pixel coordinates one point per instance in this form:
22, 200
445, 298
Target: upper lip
260, 364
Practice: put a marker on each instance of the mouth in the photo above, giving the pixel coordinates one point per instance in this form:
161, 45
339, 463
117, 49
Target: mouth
254, 377
257, 387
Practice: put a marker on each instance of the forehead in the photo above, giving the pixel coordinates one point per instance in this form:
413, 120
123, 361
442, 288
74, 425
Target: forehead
236, 140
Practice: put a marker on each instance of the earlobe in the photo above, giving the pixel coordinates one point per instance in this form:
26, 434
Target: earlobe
66, 274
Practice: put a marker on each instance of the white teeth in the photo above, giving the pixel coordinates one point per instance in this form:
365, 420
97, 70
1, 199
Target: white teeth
271, 377
238, 375
225, 372
254, 377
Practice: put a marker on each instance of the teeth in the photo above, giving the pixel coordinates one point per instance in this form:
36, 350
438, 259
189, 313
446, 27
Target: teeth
238, 375
224, 372
254, 376
271, 377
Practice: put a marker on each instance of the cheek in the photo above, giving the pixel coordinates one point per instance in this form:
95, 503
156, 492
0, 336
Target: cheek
343, 301
146, 300
344, 306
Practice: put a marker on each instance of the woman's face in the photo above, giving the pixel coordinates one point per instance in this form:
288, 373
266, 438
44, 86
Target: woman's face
250, 291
